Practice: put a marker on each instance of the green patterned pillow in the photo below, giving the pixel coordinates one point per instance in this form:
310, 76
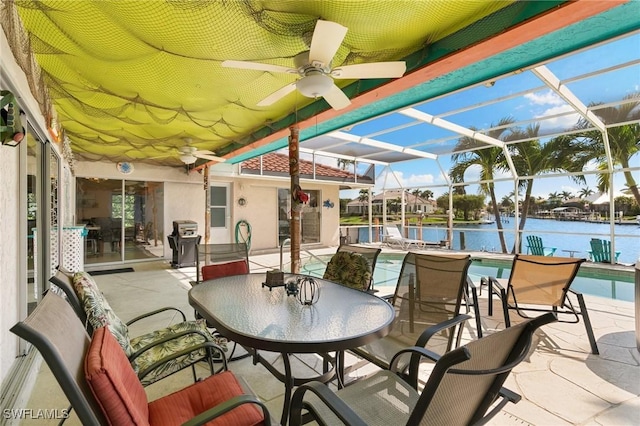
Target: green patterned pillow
99, 313
349, 269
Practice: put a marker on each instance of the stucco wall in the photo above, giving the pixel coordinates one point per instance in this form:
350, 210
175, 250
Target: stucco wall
9, 251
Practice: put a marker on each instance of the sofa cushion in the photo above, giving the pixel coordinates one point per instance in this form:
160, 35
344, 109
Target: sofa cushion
349, 269
180, 406
98, 310
113, 382
151, 356
238, 267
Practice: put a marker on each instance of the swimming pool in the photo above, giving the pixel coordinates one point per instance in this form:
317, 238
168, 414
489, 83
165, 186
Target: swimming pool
597, 282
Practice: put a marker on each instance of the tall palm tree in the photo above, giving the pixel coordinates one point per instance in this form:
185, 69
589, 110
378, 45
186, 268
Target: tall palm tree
427, 194
566, 195
416, 193
363, 197
533, 158
488, 159
623, 140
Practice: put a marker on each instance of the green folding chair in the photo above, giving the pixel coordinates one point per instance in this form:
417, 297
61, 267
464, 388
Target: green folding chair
537, 248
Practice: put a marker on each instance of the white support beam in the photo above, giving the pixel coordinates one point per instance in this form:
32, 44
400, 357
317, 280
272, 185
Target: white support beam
444, 124
382, 145
553, 82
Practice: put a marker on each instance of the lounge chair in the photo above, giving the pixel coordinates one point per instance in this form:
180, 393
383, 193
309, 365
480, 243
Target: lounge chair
537, 248
541, 284
102, 388
393, 237
601, 251
189, 338
465, 387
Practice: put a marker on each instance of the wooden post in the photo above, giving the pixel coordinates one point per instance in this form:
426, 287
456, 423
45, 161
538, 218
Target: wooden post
294, 172
207, 209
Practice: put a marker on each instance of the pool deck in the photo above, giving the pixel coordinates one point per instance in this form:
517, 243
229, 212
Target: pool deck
561, 382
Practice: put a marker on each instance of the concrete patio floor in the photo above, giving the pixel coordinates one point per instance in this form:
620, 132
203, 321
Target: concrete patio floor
561, 383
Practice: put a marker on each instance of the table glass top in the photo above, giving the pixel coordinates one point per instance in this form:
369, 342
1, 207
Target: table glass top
242, 305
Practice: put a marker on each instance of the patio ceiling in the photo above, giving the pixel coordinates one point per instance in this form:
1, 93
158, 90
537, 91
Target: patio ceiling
134, 80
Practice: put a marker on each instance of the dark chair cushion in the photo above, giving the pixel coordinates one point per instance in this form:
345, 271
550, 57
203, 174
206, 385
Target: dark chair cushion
210, 272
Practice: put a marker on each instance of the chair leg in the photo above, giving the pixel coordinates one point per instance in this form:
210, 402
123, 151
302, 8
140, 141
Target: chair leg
505, 308
476, 310
587, 324
487, 281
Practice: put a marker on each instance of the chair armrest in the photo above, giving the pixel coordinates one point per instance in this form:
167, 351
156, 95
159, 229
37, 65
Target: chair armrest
227, 406
328, 398
209, 346
165, 339
157, 311
427, 334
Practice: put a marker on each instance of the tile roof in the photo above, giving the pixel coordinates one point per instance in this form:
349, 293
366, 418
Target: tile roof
279, 163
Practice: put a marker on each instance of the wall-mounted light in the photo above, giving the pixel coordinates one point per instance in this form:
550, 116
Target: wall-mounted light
242, 201
11, 130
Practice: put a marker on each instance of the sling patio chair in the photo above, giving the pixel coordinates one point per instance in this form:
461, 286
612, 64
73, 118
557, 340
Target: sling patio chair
231, 258
537, 248
541, 284
393, 237
601, 251
102, 388
464, 387
145, 352
353, 266
427, 300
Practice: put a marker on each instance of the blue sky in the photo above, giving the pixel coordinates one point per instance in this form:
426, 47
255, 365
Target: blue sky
476, 107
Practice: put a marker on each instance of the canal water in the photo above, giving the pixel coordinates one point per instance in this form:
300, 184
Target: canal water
565, 236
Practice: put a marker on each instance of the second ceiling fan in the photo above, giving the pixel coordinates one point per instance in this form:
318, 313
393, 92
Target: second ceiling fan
315, 71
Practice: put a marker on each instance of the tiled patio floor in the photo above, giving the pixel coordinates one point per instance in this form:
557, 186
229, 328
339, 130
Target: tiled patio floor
561, 383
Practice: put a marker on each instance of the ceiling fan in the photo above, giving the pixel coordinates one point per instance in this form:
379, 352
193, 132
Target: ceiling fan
189, 154
315, 71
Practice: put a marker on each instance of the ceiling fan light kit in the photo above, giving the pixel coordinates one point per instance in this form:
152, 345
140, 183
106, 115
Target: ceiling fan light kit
314, 85
188, 158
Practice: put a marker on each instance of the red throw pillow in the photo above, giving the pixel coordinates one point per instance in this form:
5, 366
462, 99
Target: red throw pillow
220, 270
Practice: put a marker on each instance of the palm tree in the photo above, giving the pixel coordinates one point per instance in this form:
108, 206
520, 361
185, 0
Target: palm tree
489, 159
585, 192
427, 194
623, 140
344, 164
532, 158
566, 195
416, 193
363, 197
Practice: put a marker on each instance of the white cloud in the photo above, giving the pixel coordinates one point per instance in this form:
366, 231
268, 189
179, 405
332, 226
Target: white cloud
545, 98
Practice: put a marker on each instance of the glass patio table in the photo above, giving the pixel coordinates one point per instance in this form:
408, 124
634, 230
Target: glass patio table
257, 317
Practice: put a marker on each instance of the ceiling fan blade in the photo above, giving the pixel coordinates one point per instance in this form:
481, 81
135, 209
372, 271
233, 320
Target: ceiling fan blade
246, 65
201, 154
336, 98
325, 42
277, 95
373, 70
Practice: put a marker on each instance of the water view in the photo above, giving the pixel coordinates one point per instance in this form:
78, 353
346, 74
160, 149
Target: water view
565, 236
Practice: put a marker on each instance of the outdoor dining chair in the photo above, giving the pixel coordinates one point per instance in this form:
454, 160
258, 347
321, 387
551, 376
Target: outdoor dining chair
541, 284
429, 292
464, 387
102, 387
536, 247
146, 351
353, 266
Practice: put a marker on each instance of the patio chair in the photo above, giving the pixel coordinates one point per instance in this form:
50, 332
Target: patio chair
464, 387
112, 394
536, 247
353, 266
147, 351
393, 237
541, 284
601, 251
230, 258
217, 261
428, 293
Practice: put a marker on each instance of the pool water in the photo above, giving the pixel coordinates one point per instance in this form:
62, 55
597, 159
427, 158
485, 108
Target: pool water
596, 282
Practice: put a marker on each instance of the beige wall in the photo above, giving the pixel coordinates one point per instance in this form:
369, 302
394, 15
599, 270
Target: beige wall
11, 250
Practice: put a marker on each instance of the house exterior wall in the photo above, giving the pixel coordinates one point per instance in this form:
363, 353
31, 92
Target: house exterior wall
10, 252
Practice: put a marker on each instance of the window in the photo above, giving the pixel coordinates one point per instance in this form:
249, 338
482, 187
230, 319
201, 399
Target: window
310, 217
129, 208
